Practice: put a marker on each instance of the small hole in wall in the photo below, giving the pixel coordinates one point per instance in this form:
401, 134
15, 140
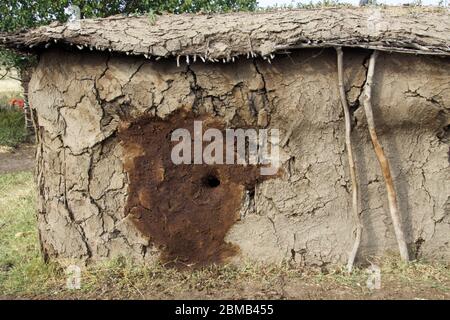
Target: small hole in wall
211, 181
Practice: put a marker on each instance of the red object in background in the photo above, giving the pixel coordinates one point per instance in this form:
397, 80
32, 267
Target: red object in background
20, 103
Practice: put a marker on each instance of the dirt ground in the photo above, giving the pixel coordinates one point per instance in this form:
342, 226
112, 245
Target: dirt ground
17, 159
303, 286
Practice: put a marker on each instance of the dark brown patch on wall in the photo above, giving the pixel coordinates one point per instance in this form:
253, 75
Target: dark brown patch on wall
185, 210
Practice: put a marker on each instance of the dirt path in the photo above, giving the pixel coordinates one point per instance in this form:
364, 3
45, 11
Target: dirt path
277, 288
18, 159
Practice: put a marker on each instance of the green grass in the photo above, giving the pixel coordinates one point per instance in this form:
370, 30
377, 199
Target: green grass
21, 267
12, 127
5, 97
23, 272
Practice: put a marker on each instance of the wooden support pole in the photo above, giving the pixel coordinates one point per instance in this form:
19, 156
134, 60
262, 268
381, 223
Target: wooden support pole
383, 161
351, 160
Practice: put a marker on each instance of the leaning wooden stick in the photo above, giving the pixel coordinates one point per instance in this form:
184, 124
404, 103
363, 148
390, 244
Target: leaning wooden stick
351, 161
384, 163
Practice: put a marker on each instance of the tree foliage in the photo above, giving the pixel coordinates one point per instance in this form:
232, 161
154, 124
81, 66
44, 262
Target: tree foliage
18, 14
21, 14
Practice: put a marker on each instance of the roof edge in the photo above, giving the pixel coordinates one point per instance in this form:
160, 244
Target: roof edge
222, 37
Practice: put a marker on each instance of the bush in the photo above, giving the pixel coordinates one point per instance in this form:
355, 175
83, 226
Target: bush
12, 127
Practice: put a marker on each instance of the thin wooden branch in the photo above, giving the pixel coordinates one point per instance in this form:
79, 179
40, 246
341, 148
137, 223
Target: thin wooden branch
10, 77
3, 76
351, 160
14, 78
383, 161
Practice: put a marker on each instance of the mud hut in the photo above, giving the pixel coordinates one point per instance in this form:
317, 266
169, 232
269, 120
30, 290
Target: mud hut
107, 94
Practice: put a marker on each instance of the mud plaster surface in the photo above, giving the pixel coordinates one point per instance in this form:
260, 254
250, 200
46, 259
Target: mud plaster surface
81, 100
185, 209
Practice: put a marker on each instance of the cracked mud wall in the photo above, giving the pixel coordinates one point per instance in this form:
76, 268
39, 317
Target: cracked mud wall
186, 210
302, 215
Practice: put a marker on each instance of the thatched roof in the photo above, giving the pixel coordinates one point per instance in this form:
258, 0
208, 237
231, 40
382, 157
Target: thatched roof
223, 36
